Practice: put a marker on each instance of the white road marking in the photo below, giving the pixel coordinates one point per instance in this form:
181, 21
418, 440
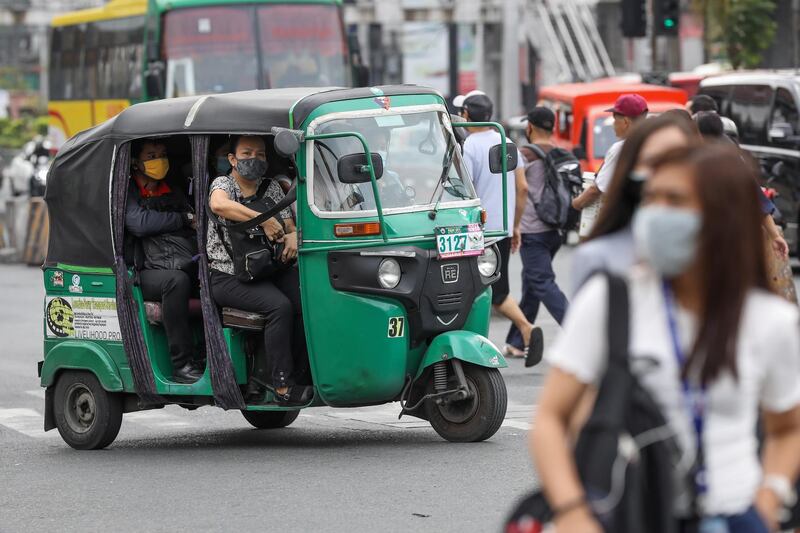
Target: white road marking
157, 419
29, 422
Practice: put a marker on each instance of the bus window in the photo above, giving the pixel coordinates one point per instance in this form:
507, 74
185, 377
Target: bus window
750, 110
302, 46
218, 42
120, 44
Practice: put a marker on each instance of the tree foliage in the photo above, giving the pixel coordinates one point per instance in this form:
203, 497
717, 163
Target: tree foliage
744, 29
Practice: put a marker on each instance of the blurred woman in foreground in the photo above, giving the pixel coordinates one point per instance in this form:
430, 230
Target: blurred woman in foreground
718, 346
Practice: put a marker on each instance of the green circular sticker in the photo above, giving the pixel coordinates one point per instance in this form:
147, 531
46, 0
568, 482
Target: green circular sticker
60, 317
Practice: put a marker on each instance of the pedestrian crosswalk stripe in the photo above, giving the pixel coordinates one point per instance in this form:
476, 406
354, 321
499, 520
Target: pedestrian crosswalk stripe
26, 421
157, 418
30, 422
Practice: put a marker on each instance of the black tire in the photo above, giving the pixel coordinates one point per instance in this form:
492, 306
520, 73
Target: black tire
87, 416
270, 419
477, 418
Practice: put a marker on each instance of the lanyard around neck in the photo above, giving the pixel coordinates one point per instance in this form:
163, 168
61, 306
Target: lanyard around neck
694, 395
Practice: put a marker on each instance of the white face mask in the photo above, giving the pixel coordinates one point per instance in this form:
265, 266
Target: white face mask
667, 237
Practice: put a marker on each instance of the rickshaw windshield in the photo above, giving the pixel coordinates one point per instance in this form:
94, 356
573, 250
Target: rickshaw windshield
422, 165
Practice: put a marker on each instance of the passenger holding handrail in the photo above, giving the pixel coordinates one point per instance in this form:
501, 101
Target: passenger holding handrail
278, 296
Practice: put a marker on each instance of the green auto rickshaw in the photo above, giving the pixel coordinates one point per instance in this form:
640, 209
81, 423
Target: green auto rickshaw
395, 268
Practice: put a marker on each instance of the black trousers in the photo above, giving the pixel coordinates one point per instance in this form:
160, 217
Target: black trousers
279, 299
172, 288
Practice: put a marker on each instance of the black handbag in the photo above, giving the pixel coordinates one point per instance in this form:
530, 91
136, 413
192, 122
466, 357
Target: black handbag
625, 452
254, 256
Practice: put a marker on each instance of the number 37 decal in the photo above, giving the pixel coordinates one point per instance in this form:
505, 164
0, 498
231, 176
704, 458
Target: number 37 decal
396, 326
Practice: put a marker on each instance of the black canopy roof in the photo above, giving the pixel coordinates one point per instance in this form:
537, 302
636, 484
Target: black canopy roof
79, 183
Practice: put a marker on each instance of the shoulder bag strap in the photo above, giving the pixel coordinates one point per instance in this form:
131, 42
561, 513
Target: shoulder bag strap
288, 200
618, 321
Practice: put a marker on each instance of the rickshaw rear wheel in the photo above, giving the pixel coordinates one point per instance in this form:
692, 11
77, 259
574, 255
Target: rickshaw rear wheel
87, 416
473, 419
270, 419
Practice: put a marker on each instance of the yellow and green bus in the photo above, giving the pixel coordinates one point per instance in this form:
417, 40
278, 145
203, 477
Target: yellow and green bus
104, 59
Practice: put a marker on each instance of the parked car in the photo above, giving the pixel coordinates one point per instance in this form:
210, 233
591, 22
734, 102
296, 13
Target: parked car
764, 106
583, 123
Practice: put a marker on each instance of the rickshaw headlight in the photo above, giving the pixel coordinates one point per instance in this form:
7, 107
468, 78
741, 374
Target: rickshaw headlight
389, 273
487, 263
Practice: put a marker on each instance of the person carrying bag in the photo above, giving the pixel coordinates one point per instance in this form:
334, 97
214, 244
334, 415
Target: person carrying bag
711, 346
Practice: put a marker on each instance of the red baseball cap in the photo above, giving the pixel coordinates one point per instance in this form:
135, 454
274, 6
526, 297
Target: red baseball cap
629, 105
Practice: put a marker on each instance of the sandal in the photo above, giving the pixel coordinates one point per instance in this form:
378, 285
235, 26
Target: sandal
297, 395
535, 348
512, 352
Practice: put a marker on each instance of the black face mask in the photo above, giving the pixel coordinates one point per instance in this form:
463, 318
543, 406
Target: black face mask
251, 169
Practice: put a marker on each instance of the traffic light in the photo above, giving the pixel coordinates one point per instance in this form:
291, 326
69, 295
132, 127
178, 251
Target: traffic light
634, 18
666, 17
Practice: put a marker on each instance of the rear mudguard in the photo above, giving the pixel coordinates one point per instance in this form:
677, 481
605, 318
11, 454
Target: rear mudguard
81, 355
466, 346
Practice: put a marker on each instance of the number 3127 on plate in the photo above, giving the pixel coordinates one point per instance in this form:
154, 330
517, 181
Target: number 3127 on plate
459, 241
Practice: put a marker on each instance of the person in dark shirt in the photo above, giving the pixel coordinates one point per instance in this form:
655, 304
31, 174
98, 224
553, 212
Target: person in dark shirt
159, 216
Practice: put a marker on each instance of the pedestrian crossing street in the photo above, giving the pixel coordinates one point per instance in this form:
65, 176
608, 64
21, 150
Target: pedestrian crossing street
28, 421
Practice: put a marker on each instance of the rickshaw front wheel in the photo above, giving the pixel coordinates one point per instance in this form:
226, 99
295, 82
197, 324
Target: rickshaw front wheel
475, 418
87, 416
270, 419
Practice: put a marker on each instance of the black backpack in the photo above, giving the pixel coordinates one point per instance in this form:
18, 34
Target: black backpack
625, 452
563, 182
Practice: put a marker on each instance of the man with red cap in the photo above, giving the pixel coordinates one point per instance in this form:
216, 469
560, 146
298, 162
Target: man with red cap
628, 110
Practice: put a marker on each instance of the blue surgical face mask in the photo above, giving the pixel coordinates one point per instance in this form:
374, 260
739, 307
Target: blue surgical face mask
667, 237
223, 165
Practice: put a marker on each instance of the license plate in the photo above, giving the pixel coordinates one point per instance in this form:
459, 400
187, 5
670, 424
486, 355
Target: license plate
459, 241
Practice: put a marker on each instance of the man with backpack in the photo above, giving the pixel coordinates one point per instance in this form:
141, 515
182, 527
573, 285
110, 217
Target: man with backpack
489, 187
548, 172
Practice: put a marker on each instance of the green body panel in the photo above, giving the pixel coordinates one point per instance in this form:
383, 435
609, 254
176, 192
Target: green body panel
80, 355
100, 356
479, 317
465, 346
367, 366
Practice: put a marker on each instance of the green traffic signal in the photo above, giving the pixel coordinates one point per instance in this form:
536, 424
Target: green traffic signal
669, 23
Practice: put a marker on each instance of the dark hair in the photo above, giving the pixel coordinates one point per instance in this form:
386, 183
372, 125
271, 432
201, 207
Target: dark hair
684, 116
731, 235
138, 145
623, 195
709, 124
703, 102
235, 139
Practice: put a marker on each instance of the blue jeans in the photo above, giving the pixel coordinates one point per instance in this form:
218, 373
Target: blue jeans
538, 280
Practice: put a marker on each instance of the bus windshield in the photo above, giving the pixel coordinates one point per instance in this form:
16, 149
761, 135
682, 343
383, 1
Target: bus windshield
422, 164
240, 47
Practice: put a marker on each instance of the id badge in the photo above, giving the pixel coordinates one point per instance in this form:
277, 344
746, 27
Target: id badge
713, 524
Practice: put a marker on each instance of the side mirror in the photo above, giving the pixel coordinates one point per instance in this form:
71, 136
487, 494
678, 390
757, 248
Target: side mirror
154, 80
286, 143
579, 152
496, 158
352, 168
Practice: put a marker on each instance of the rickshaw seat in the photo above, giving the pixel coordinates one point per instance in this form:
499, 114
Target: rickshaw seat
239, 319
154, 313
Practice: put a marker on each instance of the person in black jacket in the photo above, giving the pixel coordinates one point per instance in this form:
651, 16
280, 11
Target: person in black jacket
160, 218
